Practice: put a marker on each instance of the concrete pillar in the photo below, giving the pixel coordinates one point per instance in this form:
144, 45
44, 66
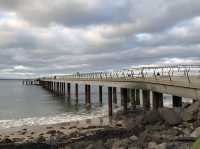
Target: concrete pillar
137, 97
146, 99
89, 94
157, 100
100, 94
50, 85
68, 90
128, 95
124, 98
86, 94
64, 88
132, 98
76, 92
176, 101
110, 101
54, 88
61, 89
114, 95
57, 88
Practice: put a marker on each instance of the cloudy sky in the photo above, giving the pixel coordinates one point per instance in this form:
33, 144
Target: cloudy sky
40, 37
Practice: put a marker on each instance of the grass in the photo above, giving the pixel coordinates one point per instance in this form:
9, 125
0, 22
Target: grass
196, 144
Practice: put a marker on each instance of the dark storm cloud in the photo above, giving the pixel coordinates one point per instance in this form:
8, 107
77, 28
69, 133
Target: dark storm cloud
45, 37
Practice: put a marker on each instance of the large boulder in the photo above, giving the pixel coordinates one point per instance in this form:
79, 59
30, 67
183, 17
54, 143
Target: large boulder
190, 113
151, 117
196, 132
169, 116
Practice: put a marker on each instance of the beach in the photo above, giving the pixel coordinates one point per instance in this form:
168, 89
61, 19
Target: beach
135, 129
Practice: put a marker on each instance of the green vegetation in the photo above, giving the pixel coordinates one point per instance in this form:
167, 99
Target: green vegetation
196, 144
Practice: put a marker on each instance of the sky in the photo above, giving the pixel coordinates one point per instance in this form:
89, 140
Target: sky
45, 37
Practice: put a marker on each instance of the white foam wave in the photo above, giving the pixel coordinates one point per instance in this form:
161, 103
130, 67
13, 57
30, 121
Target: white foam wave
59, 118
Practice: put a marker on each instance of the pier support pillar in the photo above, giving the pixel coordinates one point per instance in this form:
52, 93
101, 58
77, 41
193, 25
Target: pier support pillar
76, 92
176, 101
100, 94
89, 94
157, 100
86, 94
124, 98
64, 88
68, 90
57, 88
146, 99
50, 86
60, 86
110, 101
137, 96
132, 98
54, 87
114, 95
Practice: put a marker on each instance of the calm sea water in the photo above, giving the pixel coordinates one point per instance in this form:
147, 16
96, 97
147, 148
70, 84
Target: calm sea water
22, 105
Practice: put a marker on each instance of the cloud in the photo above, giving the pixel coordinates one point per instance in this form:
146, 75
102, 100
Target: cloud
45, 37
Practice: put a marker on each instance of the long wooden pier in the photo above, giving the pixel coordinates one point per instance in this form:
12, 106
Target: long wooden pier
177, 80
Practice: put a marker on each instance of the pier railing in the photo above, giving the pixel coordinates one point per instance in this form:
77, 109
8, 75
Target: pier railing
171, 73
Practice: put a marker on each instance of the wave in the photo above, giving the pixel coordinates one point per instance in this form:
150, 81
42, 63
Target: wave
59, 118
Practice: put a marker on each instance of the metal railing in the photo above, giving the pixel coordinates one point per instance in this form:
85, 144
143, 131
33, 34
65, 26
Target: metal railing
167, 72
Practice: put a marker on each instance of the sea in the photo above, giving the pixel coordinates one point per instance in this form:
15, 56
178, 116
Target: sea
31, 105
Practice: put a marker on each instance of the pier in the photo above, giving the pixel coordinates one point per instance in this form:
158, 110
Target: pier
151, 82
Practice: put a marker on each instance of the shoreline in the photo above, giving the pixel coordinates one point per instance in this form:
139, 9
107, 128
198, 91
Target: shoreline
137, 129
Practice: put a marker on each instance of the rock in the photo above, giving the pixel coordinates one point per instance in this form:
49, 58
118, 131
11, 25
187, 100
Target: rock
121, 144
6, 140
196, 132
169, 116
67, 147
99, 145
51, 132
133, 138
162, 146
90, 147
119, 124
186, 131
190, 113
17, 139
152, 145
151, 117
40, 139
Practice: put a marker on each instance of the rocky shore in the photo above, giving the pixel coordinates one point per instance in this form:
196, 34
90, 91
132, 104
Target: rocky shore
137, 129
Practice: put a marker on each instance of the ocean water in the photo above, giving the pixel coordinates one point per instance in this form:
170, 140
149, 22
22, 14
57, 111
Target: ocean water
22, 105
